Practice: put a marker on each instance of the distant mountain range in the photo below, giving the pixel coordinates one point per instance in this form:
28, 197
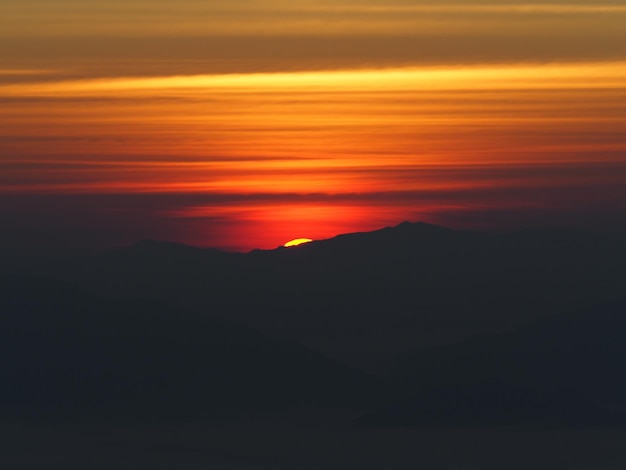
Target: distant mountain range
66, 353
583, 350
365, 295
463, 328
565, 369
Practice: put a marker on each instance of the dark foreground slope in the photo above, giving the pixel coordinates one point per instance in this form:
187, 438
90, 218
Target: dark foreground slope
493, 403
568, 369
67, 353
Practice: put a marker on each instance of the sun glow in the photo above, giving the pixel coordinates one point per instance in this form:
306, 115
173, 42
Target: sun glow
317, 152
297, 241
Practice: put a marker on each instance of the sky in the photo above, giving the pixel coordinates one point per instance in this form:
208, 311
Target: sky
248, 123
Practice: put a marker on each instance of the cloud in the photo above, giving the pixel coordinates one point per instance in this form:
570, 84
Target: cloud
280, 17
478, 77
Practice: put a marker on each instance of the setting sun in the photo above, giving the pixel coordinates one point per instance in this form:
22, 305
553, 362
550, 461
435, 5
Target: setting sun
297, 241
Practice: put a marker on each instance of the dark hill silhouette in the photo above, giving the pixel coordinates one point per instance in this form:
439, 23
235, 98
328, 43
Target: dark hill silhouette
67, 353
582, 350
492, 403
561, 369
365, 295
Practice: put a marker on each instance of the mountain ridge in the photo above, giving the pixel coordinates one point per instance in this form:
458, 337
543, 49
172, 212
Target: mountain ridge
68, 353
397, 286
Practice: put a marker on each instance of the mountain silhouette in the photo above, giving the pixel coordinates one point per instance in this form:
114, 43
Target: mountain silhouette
362, 296
492, 403
565, 369
582, 350
67, 353
410, 297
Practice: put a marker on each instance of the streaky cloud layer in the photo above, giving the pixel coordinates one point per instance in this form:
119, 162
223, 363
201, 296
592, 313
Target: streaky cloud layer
188, 17
237, 124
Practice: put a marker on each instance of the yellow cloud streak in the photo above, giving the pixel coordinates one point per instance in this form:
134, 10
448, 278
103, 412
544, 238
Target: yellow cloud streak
531, 76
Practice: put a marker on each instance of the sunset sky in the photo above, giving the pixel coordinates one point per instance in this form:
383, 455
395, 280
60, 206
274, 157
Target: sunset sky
248, 123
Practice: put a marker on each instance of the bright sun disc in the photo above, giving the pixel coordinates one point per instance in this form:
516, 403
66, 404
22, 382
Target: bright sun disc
297, 241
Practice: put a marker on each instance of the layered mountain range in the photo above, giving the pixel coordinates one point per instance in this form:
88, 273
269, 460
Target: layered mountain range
452, 327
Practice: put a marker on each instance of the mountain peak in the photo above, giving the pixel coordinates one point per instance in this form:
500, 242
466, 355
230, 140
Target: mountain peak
150, 246
151, 243
419, 226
